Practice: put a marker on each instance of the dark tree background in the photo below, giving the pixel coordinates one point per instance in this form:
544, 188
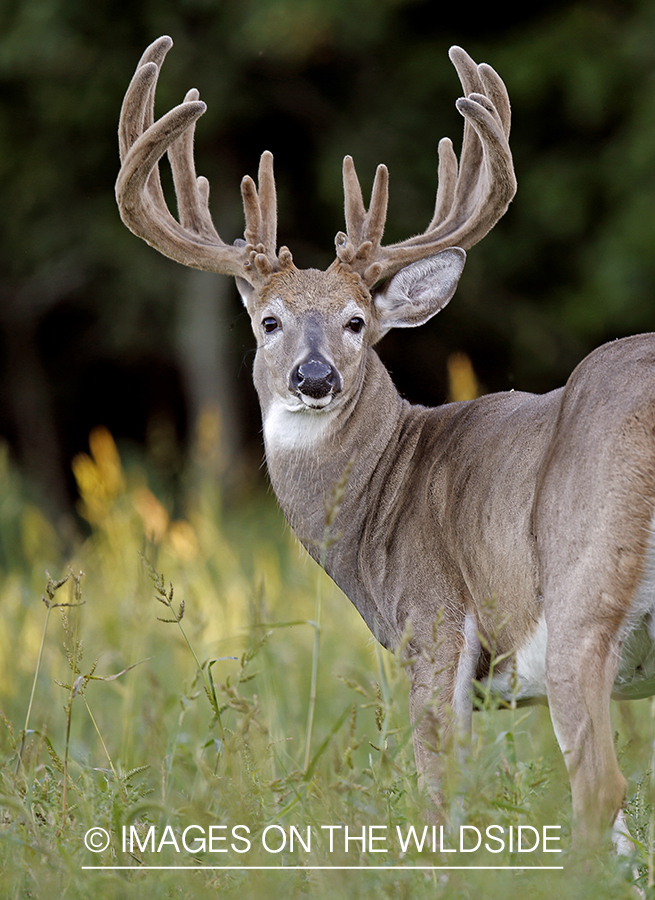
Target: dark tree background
98, 329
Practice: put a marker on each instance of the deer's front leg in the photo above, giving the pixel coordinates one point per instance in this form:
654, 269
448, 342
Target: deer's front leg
441, 704
430, 730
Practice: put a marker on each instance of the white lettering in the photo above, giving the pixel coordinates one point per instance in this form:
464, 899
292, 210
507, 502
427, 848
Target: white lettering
523, 849
354, 837
462, 829
444, 849
134, 838
331, 829
216, 833
284, 838
201, 844
168, 837
494, 838
376, 838
548, 837
238, 837
306, 846
411, 835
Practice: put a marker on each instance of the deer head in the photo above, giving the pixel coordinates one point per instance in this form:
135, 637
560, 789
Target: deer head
313, 328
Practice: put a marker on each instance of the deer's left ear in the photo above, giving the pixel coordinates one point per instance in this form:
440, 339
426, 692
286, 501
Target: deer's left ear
420, 290
246, 291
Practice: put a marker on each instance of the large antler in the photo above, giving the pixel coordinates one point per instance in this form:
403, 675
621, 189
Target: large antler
193, 240
470, 198
469, 201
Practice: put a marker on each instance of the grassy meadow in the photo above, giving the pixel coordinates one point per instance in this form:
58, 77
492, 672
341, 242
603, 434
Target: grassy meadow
193, 692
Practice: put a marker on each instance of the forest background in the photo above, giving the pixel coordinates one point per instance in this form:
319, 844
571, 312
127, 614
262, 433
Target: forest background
98, 329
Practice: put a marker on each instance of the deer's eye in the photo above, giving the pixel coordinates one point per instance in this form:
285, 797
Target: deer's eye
355, 324
270, 324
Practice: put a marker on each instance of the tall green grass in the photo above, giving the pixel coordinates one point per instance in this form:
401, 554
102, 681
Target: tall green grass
202, 672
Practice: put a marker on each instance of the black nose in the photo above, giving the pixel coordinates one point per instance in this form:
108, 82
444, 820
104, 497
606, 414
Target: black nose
314, 378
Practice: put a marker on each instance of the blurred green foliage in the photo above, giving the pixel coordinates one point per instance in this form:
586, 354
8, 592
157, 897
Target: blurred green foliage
105, 721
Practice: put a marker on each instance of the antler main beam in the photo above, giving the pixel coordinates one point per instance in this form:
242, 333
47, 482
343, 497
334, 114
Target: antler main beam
471, 197
193, 241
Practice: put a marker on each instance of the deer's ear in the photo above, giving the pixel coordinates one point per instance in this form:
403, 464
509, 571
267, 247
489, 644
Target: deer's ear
420, 290
246, 291
244, 287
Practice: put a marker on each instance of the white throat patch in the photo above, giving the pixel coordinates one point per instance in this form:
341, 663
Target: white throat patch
295, 429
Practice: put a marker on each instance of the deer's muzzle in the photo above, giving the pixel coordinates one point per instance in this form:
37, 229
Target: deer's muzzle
315, 378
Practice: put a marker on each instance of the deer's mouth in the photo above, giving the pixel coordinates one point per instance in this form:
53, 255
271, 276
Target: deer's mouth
300, 401
316, 402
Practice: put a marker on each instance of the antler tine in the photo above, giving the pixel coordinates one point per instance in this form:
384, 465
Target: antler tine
267, 201
471, 156
446, 181
193, 240
364, 229
494, 88
471, 196
192, 192
137, 111
467, 70
260, 206
377, 211
354, 208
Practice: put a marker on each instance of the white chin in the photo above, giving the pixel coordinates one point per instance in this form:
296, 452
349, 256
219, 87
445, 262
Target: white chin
316, 402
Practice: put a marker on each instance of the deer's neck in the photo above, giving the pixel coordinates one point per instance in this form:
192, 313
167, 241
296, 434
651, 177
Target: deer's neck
333, 474
309, 453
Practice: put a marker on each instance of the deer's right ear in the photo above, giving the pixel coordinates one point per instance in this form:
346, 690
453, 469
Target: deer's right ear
420, 290
244, 287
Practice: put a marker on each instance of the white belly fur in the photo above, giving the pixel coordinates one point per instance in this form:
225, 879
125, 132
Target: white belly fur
525, 678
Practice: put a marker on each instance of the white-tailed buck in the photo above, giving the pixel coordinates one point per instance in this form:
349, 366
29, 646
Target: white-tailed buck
516, 521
